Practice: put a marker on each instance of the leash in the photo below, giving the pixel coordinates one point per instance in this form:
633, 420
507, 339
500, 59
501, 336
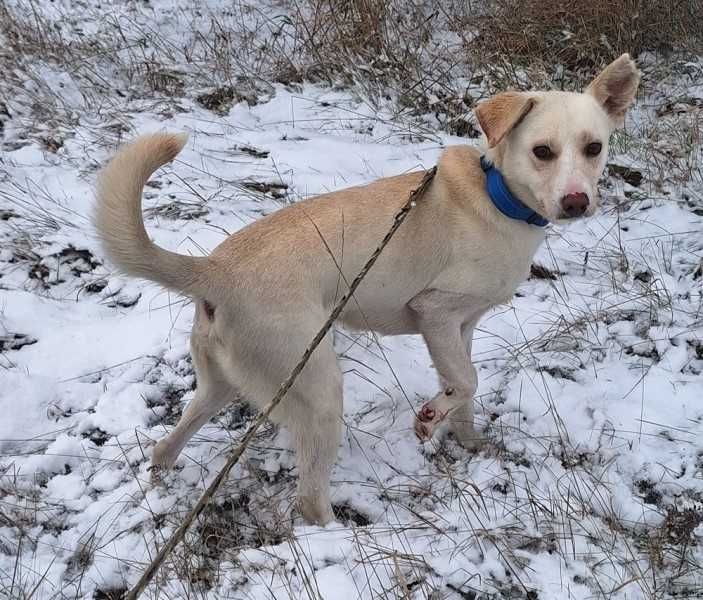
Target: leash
236, 454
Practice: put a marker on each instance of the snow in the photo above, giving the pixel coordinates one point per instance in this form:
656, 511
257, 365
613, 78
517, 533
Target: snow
589, 385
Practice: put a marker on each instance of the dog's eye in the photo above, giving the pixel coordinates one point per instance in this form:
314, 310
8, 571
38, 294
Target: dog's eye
542, 152
593, 149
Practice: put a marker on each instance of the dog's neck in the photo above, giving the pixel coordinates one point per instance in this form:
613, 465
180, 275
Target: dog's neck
504, 200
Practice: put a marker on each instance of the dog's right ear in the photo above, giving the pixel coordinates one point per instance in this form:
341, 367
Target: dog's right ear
500, 114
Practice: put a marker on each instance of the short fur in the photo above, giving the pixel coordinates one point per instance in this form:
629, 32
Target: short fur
265, 291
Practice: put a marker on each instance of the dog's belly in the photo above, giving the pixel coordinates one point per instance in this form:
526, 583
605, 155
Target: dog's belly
391, 321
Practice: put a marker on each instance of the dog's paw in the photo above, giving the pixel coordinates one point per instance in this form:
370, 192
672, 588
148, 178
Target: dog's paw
467, 437
156, 474
162, 460
427, 420
315, 512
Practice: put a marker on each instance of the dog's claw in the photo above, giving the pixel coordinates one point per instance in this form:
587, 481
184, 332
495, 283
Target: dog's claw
156, 474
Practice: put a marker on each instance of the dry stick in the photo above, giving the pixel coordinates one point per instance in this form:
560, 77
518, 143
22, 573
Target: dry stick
234, 457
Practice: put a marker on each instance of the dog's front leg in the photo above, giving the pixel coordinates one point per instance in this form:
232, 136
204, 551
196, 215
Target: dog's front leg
448, 333
458, 379
461, 420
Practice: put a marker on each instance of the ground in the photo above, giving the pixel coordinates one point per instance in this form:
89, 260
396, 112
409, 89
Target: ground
590, 484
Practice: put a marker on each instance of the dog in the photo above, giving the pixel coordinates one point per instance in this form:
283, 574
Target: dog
264, 292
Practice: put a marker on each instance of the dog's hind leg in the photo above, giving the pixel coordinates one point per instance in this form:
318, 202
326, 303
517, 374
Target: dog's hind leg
313, 414
211, 395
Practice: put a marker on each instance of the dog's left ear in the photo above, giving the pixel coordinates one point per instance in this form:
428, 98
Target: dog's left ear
615, 88
502, 113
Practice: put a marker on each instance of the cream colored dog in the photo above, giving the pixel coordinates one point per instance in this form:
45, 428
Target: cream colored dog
265, 291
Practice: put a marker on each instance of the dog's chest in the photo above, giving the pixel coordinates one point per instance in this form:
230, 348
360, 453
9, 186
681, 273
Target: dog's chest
495, 278
490, 270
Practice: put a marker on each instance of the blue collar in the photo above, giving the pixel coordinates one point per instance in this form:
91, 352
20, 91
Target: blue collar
504, 200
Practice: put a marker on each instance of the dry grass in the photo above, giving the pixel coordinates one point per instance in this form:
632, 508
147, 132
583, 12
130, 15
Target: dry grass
423, 58
396, 43
583, 35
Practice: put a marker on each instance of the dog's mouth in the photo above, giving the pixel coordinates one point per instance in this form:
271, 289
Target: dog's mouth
565, 218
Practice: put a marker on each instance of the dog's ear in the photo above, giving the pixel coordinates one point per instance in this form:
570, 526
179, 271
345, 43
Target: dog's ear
615, 88
502, 113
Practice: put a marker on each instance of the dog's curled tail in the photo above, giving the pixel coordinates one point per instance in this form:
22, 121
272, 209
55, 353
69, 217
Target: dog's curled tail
120, 225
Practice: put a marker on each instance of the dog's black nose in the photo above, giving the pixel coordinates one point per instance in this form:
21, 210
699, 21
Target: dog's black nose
574, 205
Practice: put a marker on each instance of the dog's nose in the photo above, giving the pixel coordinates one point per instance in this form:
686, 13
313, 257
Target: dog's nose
574, 205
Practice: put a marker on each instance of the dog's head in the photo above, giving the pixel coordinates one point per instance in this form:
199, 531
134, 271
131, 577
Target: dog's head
551, 147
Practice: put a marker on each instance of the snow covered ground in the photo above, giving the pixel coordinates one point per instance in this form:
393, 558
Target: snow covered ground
591, 397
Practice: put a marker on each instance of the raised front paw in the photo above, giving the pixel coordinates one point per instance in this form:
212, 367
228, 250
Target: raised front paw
427, 420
